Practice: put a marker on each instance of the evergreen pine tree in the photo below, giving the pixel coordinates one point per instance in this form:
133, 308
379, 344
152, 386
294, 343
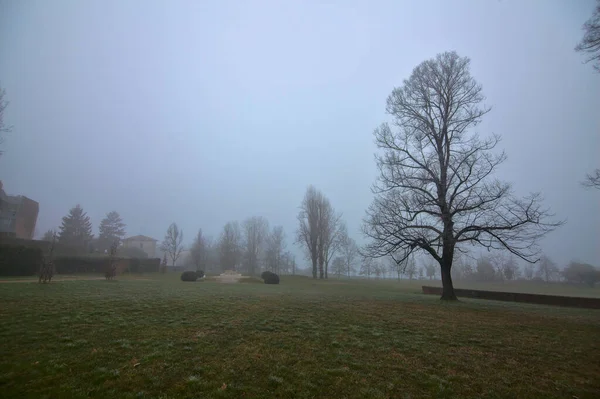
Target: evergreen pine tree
111, 229
76, 228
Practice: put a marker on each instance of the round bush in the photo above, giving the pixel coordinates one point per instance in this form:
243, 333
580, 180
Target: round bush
271, 278
200, 273
189, 276
264, 274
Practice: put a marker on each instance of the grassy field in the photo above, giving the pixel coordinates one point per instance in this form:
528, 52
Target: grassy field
162, 338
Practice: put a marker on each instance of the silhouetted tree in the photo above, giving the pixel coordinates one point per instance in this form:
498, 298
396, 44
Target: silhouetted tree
230, 246
275, 246
430, 270
308, 232
47, 268
547, 269
111, 270
510, 268
111, 229
435, 189
331, 229
528, 271
590, 43
338, 266
367, 267
349, 252
163, 264
172, 244
76, 228
583, 273
411, 268
319, 230
199, 252
256, 231
485, 270
288, 263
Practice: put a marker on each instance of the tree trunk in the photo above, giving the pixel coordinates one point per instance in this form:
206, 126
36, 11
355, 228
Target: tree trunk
321, 271
448, 288
314, 268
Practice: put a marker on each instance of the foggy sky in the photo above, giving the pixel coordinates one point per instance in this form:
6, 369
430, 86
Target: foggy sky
203, 112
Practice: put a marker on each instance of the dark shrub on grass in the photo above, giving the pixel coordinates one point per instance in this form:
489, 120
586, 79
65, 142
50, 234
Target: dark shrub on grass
271, 278
264, 274
189, 276
200, 273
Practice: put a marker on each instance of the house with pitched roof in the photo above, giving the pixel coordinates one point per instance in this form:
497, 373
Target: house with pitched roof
145, 243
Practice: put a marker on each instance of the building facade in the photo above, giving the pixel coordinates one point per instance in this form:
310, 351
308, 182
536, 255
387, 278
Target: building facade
145, 243
18, 215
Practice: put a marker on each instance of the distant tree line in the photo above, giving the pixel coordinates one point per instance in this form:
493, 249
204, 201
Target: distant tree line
249, 248
492, 268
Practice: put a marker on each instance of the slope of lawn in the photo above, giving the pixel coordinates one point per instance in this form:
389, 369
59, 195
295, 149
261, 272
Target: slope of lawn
162, 338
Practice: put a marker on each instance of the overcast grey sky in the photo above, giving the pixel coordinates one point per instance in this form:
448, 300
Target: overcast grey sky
203, 112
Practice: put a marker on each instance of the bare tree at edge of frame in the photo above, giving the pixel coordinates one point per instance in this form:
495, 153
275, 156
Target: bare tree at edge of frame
590, 43
592, 180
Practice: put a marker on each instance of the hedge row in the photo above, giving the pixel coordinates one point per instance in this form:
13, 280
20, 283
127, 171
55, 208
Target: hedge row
19, 260
26, 261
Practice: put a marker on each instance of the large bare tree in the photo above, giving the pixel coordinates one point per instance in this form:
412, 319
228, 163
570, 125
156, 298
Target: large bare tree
172, 245
590, 43
3, 127
256, 231
230, 246
435, 189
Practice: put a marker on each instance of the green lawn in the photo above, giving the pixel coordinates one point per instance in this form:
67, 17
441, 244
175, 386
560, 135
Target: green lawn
163, 338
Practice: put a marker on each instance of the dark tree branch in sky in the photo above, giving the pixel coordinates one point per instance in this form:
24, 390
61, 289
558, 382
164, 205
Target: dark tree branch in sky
592, 180
435, 190
590, 43
3, 106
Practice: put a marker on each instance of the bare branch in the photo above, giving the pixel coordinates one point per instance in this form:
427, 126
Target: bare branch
590, 43
592, 180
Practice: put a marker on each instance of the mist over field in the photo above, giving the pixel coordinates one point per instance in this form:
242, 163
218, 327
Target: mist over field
205, 113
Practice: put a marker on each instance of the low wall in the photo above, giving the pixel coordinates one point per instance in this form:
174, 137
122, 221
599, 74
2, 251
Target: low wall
555, 300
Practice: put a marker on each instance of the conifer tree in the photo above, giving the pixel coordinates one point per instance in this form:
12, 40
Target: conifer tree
76, 228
